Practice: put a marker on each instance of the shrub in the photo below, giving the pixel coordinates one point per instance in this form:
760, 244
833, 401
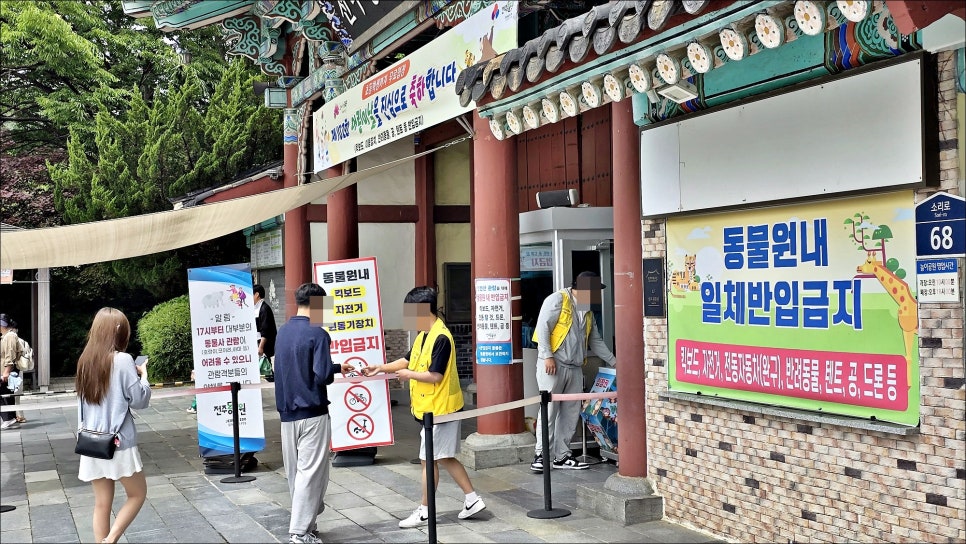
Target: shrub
165, 335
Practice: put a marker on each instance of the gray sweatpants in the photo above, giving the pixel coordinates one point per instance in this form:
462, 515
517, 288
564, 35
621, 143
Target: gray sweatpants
562, 416
305, 453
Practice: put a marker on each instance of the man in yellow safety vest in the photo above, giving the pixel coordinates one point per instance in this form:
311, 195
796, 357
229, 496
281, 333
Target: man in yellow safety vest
564, 333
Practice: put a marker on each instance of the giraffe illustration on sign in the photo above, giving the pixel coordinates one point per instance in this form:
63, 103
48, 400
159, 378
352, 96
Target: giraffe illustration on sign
908, 307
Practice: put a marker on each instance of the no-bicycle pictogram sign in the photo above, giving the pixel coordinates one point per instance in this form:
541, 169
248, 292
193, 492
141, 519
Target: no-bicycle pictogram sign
358, 398
360, 426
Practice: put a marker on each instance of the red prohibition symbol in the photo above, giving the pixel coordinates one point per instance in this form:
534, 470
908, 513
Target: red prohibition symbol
360, 426
358, 398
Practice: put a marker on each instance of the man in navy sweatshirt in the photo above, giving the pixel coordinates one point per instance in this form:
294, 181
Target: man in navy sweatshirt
303, 369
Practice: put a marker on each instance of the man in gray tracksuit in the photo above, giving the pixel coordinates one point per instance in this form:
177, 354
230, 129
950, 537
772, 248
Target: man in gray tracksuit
567, 324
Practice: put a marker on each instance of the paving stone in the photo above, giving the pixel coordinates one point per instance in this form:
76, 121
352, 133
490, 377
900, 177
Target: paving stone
363, 515
515, 535
14, 535
41, 476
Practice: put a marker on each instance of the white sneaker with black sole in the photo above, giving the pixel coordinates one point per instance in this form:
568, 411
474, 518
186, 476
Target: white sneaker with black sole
569, 463
537, 464
416, 519
471, 510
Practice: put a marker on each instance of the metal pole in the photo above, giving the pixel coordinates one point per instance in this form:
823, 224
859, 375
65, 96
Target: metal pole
237, 478
430, 476
549, 512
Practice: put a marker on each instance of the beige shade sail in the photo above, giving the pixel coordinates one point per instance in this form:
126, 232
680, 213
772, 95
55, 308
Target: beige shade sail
128, 237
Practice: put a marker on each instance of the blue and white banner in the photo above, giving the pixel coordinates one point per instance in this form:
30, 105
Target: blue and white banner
225, 346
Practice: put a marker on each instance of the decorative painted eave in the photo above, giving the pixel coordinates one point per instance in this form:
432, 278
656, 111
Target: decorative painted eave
536, 85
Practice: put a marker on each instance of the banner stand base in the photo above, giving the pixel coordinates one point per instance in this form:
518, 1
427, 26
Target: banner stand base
354, 458
7, 507
225, 464
237, 479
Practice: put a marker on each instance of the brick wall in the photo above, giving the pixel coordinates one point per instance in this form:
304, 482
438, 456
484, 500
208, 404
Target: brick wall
463, 337
752, 477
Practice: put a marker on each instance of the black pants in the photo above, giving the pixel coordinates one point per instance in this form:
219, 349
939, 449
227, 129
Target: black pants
6, 401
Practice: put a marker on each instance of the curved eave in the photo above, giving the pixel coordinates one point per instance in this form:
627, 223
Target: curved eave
578, 85
202, 14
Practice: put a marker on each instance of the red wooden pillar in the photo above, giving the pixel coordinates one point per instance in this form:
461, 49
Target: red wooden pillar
496, 254
297, 256
425, 222
628, 290
342, 219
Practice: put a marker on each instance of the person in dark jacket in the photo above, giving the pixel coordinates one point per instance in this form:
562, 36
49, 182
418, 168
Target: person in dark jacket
303, 369
264, 323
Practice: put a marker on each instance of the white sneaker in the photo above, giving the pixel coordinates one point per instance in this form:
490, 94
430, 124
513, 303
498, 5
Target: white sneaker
307, 538
12, 424
414, 520
471, 510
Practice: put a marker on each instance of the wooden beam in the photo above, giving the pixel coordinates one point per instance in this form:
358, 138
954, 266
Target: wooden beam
378, 213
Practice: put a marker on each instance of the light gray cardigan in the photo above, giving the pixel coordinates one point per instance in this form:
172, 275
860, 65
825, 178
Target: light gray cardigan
113, 414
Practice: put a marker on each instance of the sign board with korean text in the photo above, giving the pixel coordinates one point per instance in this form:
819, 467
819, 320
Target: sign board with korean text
413, 94
225, 347
351, 19
360, 413
267, 249
494, 336
6, 276
811, 306
941, 226
938, 280
536, 258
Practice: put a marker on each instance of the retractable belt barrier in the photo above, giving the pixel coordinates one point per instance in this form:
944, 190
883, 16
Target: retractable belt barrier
545, 397
72, 401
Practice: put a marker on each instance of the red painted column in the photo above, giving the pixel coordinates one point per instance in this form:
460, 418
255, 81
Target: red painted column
425, 222
297, 249
628, 290
342, 219
496, 254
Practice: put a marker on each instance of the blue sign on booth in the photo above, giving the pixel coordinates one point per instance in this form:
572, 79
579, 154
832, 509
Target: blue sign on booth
496, 353
941, 226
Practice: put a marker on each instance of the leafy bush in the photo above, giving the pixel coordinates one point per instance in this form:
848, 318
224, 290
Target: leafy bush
165, 335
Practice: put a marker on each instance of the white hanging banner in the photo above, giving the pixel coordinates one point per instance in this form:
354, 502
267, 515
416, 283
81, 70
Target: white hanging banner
225, 346
360, 412
415, 93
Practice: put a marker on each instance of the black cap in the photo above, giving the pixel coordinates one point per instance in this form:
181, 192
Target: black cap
588, 275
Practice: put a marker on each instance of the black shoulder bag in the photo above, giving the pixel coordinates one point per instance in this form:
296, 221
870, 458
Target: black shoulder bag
94, 443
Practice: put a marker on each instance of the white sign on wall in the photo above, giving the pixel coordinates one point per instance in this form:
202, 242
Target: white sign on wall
225, 347
938, 280
360, 412
494, 336
267, 249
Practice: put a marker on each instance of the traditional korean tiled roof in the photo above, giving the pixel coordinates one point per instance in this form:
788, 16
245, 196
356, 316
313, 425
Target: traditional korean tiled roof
603, 29
653, 47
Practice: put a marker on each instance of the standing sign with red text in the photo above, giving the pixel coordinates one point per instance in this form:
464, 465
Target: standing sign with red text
225, 346
360, 412
811, 306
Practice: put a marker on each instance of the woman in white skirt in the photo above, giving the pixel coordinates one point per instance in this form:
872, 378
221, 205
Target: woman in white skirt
108, 385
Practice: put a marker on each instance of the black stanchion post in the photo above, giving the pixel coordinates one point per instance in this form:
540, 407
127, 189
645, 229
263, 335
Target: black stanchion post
237, 478
430, 476
548, 512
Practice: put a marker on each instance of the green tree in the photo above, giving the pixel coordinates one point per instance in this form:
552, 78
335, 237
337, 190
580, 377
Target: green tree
153, 151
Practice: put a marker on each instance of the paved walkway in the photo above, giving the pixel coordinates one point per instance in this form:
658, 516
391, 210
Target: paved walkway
364, 504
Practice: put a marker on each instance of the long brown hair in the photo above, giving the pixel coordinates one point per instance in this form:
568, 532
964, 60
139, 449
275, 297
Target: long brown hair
109, 333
